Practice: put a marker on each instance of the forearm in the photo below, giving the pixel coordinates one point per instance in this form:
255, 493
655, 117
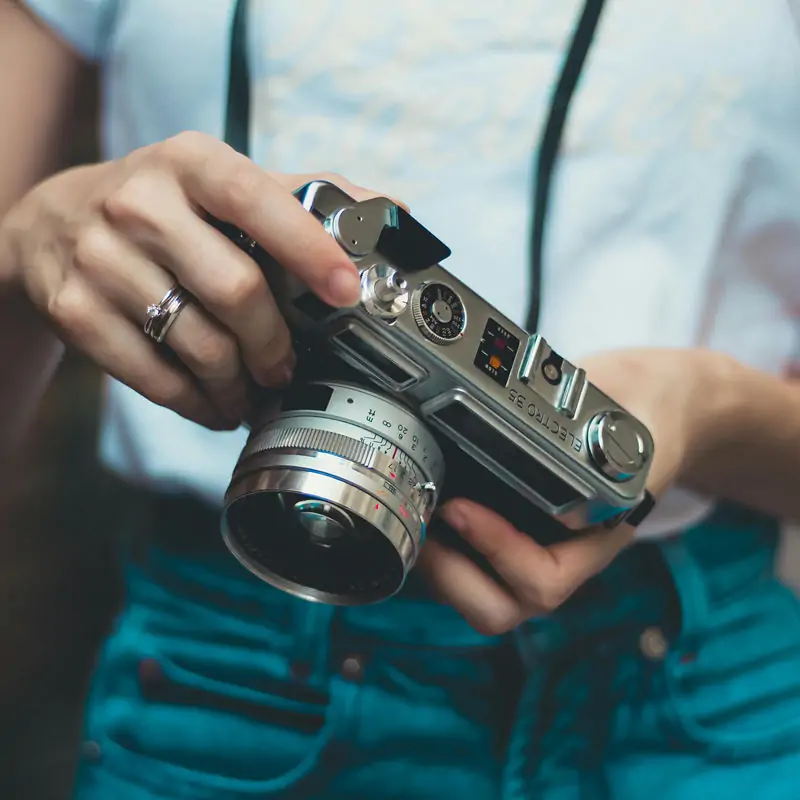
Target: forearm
29, 356
38, 77
752, 455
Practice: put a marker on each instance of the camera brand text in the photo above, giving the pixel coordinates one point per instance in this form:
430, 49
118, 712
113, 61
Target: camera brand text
553, 426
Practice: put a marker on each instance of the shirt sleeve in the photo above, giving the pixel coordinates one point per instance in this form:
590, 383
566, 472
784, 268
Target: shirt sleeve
84, 24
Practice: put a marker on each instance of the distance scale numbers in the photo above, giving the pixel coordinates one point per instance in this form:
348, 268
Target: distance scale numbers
496, 352
394, 451
403, 433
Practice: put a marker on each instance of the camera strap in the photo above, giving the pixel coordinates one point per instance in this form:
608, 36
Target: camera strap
237, 111
548, 150
237, 122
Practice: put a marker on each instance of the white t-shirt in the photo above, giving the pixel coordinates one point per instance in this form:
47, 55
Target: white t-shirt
675, 210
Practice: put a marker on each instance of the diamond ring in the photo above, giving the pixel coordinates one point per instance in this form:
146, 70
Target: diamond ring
161, 316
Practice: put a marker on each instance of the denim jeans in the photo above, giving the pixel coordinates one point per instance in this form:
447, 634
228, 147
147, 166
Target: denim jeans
674, 674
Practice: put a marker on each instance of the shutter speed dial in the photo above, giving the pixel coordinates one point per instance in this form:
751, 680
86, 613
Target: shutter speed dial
439, 313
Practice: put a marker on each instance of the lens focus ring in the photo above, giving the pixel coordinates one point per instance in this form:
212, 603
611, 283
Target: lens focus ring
315, 440
336, 444
330, 498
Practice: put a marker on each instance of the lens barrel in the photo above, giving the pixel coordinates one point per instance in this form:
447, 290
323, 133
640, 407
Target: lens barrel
330, 498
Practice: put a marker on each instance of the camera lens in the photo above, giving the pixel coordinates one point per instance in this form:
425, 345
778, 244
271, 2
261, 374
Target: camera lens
330, 498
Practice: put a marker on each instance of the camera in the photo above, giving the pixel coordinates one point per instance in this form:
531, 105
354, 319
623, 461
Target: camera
421, 393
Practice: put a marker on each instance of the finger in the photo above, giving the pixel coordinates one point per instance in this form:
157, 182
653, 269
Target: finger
462, 584
359, 193
153, 211
232, 188
131, 281
589, 553
541, 578
89, 322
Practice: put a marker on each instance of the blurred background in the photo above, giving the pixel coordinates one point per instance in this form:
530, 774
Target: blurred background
59, 584
59, 578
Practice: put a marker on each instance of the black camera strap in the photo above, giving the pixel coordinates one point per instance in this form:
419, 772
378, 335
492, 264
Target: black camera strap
237, 111
237, 122
548, 150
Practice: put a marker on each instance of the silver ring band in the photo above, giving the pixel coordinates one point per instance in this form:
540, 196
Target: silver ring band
161, 316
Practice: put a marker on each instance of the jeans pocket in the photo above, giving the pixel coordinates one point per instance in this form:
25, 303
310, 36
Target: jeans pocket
734, 686
217, 721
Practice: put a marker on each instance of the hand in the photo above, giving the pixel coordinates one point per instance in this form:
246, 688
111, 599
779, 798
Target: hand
94, 246
665, 389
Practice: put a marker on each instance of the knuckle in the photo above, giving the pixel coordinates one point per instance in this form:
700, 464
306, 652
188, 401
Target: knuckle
92, 248
549, 596
335, 178
496, 623
132, 201
215, 354
242, 189
239, 289
66, 308
186, 145
172, 391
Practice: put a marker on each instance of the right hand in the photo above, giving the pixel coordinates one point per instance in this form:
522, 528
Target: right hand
94, 246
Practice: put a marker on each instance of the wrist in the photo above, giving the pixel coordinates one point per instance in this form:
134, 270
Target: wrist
717, 409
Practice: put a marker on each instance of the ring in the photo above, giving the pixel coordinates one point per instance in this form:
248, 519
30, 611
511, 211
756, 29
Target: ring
161, 316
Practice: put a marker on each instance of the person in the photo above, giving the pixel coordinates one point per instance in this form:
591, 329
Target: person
660, 661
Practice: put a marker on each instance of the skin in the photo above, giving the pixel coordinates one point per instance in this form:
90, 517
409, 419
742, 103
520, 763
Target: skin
92, 247
707, 415
84, 252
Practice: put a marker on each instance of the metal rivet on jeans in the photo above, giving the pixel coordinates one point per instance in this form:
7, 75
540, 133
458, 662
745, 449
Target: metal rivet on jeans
353, 668
91, 751
150, 672
653, 644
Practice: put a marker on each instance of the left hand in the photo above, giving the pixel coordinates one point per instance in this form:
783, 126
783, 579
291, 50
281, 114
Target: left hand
665, 390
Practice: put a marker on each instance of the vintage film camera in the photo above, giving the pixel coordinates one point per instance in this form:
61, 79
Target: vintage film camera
332, 494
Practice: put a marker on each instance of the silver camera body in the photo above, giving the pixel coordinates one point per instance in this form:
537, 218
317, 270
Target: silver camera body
423, 375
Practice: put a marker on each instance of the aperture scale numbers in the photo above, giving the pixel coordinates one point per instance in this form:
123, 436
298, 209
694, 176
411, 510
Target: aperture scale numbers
401, 433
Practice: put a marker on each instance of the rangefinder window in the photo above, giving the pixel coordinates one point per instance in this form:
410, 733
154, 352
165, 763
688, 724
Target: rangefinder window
374, 360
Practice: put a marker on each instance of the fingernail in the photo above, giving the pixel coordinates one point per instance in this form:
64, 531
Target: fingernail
345, 286
454, 517
286, 374
219, 422
282, 373
287, 367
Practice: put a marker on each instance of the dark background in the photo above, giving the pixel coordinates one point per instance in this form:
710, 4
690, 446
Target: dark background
59, 585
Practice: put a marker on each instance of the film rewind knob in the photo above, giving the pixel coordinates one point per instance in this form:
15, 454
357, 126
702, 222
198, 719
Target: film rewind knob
617, 446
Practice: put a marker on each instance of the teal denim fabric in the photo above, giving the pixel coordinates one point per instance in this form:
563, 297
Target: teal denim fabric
675, 674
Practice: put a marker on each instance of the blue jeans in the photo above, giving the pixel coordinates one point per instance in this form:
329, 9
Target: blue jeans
674, 675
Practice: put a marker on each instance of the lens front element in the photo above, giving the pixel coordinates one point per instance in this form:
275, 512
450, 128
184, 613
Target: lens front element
330, 504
